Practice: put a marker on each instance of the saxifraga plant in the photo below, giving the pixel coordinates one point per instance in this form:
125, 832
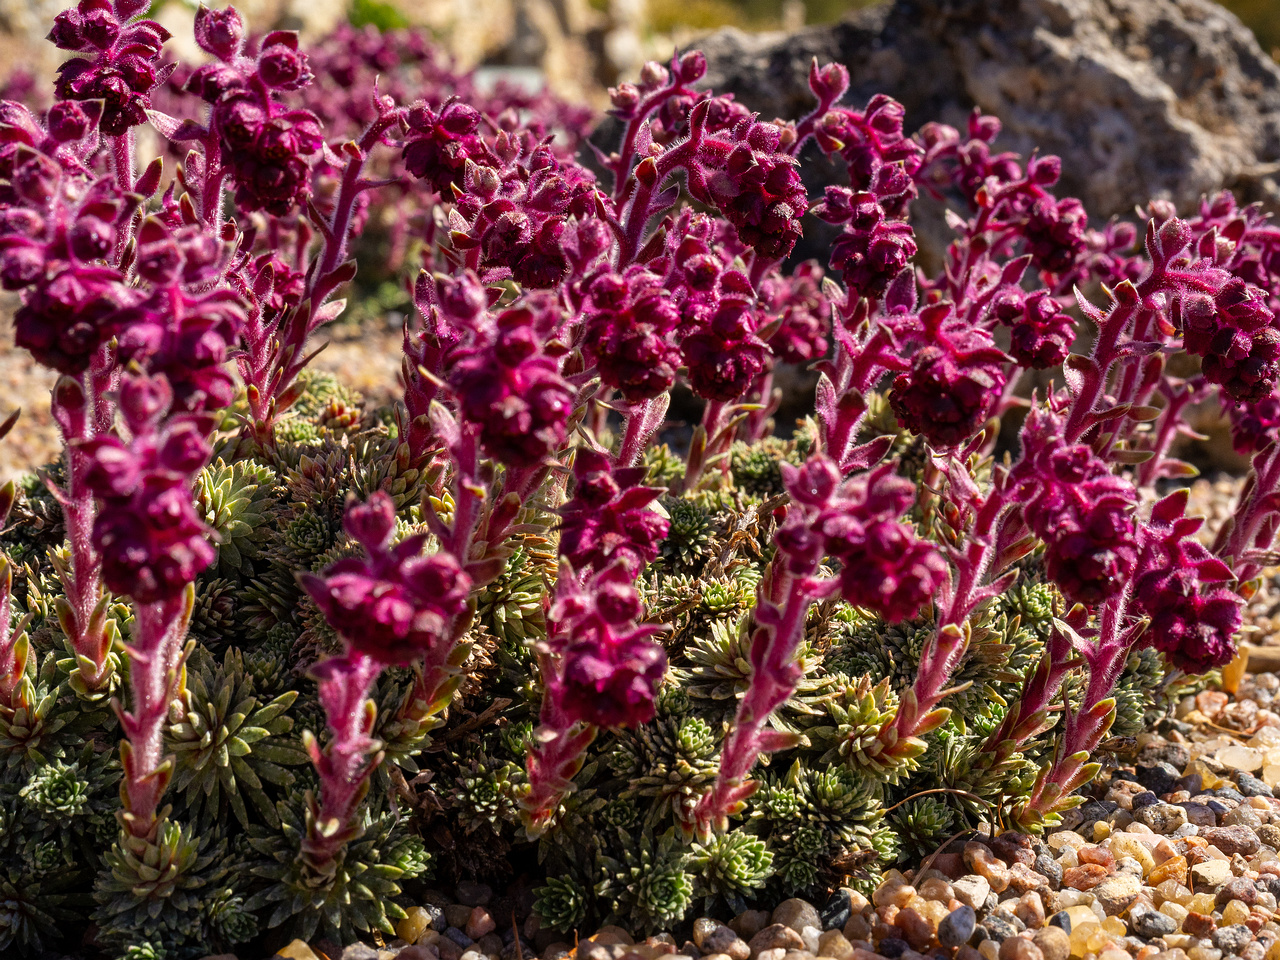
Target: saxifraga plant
494, 614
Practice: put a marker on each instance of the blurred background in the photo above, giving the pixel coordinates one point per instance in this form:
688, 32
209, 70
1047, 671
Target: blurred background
577, 47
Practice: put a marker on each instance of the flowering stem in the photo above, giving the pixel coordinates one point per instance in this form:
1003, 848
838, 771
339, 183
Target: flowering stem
774, 676
78, 413
1085, 728
344, 765
916, 713
555, 756
155, 656
1254, 525
643, 420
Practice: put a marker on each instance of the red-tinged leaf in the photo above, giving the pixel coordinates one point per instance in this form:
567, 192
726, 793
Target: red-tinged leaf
329, 311
1131, 456
1082, 776
932, 721
147, 184
343, 273
773, 741
1177, 468
867, 455
1172, 507
1088, 309
1143, 414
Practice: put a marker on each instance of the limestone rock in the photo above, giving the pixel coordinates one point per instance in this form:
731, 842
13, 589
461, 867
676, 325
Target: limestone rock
1140, 98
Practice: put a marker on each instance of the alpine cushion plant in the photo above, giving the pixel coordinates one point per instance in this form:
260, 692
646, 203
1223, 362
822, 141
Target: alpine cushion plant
502, 612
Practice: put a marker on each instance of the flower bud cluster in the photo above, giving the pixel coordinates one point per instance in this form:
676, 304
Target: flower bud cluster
954, 380
884, 565
514, 209
1041, 332
609, 665
118, 66
1192, 626
509, 383
265, 147
394, 604
152, 541
610, 517
754, 184
796, 316
1081, 510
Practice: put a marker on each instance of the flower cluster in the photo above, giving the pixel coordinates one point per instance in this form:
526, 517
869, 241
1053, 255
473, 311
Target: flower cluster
629, 333
610, 665
1040, 331
609, 517
1193, 627
55, 238
953, 383
184, 334
1236, 335
884, 565
1255, 425
1081, 510
796, 317
510, 385
512, 214
119, 64
755, 186
393, 604
441, 142
874, 246
262, 145
152, 541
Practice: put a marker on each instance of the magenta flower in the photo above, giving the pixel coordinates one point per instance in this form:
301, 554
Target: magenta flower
1236, 335
510, 384
263, 146
1193, 627
953, 383
884, 565
440, 143
609, 519
628, 333
396, 603
610, 666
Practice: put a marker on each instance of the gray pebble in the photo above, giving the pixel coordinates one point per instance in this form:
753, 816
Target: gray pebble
1251, 786
999, 930
1232, 938
1162, 818
957, 926
1152, 923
